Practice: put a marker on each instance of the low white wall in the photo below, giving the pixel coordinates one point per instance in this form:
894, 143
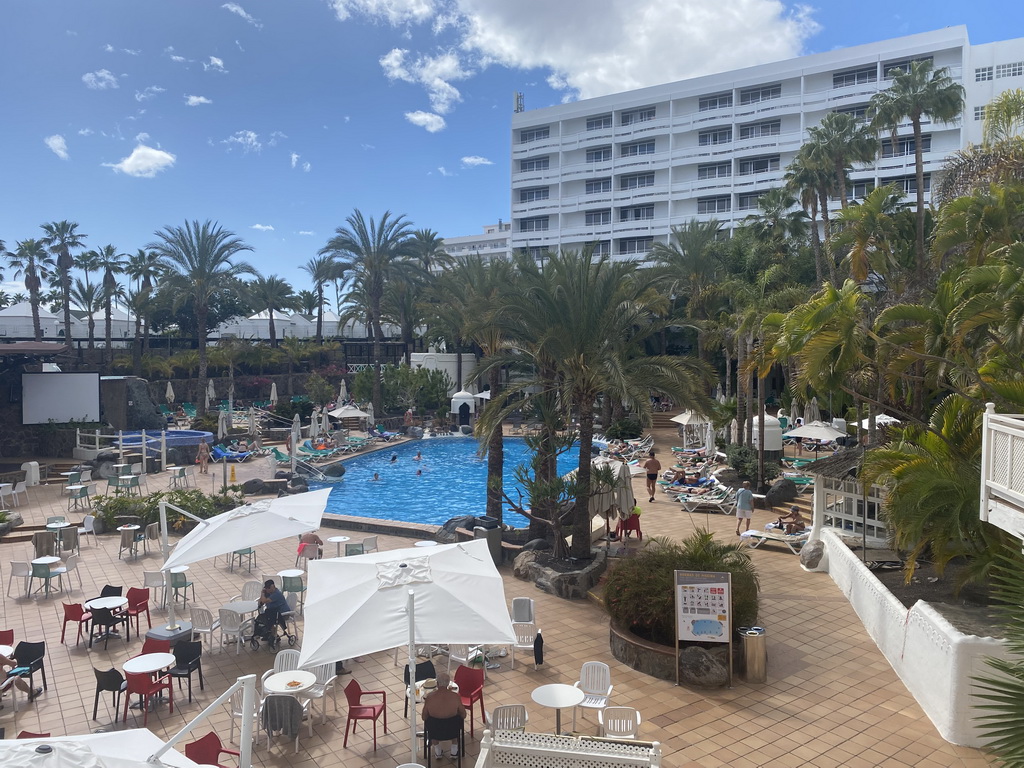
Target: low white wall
933, 659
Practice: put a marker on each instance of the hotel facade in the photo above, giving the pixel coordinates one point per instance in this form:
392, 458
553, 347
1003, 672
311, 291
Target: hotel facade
620, 171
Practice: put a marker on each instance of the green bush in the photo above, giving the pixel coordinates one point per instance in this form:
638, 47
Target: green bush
743, 458
626, 429
286, 409
640, 594
200, 504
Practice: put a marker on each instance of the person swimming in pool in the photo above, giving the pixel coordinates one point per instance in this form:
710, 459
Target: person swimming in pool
394, 457
418, 456
375, 478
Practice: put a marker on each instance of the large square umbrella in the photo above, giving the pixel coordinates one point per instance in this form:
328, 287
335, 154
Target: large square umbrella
416, 596
348, 412
689, 418
816, 430
118, 749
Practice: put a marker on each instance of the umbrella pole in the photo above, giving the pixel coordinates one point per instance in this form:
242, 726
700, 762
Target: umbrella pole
171, 623
412, 676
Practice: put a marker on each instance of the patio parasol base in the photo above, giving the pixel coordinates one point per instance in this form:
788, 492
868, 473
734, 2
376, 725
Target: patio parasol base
181, 631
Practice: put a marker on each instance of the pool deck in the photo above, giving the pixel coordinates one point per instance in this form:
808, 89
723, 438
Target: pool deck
830, 700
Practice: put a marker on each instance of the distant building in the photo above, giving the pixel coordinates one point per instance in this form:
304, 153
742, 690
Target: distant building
493, 243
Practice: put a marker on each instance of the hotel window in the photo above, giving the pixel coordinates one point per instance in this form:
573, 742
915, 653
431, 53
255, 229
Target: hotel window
903, 66
753, 165
908, 184
638, 116
716, 136
905, 146
858, 112
599, 123
534, 134
760, 93
720, 204
595, 186
714, 171
1016, 69
637, 213
535, 193
979, 113
599, 155
858, 190
601, 248
636, 181
855, 77
982, 74
598, 218
640, 148
748, 201
718, 101
536, 224
631, 245
534, 164
756, 130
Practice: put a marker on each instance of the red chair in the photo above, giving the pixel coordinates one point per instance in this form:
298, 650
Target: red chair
72, 613
138, 604
155, 645
146, 687
6, 637
30, 735
631, 523
359, 711
207, 750
471, 688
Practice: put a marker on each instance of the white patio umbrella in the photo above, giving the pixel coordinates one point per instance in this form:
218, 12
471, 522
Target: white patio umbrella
342, 392
485, 395
211, 392
250, 525
370, 417
359, 605
325, 420
169, 394
709, 440
273, 392
296, 439
252, 421
222, 424
816, 430
813, 411
117, 749
881, 420
689, 418
349, 412
314, 424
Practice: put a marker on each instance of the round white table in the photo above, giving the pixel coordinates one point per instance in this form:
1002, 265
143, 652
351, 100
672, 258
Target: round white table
558, 696
46, 560
425, 543
147, 663
290, 572
338, 541
179, 569
279, 683
113, 603
242, 606
6, 650
65, 524
132, 527
420, 691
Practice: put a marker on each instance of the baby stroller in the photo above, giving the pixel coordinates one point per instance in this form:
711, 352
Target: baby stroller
272, 626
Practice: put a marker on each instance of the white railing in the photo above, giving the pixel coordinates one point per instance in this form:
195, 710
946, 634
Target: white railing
1002, 470
505, 749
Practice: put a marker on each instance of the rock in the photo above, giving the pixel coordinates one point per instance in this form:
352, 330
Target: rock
14, 518
282, 474
252, 487
415, 433
522, 563
337, 469
782, 492
699, 667
537, 545
811, 554
141, 412
569, 585
447, 533
297, 485
728, 476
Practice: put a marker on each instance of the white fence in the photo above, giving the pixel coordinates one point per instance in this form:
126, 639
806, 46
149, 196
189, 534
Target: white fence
1002, 471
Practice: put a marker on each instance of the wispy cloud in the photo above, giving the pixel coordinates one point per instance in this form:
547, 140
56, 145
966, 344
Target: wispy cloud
263, 227
141, 138
100, 80
148, 92
85, 131
249, 141
295, 159
444, 171
108, 48
238, 10
275, 136
471, 161
57, 145
433, 123
195, 101
144, 162
307, 232
215, 64
395, 12
432, 72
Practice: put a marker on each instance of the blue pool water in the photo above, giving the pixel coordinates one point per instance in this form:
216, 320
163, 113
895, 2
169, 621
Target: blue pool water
453, 483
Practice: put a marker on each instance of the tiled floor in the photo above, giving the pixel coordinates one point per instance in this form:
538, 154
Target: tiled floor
830, 700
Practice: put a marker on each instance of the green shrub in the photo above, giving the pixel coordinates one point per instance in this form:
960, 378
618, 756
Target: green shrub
200, 504
640, 594
743, 458
626, 429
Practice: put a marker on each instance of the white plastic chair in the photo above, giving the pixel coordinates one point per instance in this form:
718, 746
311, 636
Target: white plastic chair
232, 627
88, 526
251, 590
526, 635
325, 679
510, 717
522, 610
284, 661
157, 582
370, 544
19, 570
280, 708
203, 623
291, 620
19, 489
596, 683
619, 722
237, 712
71, 566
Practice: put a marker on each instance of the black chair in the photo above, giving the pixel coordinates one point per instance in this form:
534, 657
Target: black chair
31, 655
444, 730
104, 623
111, 680
109, 591
424, 671
188, 659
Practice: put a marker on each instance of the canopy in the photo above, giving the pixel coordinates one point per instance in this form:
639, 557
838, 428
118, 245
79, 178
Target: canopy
485, 395
250, 525
273, 392
816, 430
169, 394
117, 749
348, 412
881, 420
619, 496
688, 418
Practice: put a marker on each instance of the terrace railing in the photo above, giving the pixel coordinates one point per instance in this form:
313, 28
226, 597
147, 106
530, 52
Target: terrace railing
1002, 470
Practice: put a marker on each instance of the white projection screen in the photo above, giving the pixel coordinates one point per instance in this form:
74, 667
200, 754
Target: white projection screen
59, 397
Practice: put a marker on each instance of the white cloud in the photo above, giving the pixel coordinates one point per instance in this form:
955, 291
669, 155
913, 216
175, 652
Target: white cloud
195, 101
148, 93
443, 171
307, 232
141, 138
395, 12
85, 131
131, 51
306, 167
108, 48
238, 10
263, 227
100, 80
249, 141
295, 159
431, 72
57, 145
433, 123
144, 162
276, 136
368, 146
470, 161
217, 65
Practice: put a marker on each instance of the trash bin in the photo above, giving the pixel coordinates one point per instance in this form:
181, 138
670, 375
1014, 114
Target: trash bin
31, 472
493, 536
486, 521
755, 655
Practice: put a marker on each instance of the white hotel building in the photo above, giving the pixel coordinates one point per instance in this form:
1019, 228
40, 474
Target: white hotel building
619, 171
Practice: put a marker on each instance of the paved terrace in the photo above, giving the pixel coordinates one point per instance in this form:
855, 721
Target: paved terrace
830, 700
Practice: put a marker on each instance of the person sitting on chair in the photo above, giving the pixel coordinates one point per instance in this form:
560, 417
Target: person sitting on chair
794, 522
272, 600
20, 682
309, 541
442, 704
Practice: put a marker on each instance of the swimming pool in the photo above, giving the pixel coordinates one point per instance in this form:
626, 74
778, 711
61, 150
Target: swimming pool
453, 483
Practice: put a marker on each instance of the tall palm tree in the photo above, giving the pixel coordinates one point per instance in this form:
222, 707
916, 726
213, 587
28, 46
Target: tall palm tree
373, 255
427, 248
272, 293
144, 267
777, 224
872, 233
308, 302
89, 299
814, 184
199, 261
111, 263
32, 262
839, 141
1004, 117
322, 269
916, 92
61, 238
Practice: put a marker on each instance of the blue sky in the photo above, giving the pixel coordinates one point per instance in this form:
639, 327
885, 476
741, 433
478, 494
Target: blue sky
278, 119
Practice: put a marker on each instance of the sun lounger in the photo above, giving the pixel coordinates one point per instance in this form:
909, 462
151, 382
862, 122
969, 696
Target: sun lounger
794, 541
219, 454
710, 502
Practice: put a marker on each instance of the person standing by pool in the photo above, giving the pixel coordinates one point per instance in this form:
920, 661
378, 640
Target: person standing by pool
744, 506
203, 456
652, 466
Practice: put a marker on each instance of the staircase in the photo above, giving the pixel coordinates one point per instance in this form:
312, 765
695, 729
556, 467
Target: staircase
663, 420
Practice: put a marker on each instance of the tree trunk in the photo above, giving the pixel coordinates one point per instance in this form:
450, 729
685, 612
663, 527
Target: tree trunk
581, 514
819, 264
378, 394
92, 333
272, 328
741, 392
748, 386
458, 364
108, 333
760, 435
919, 175
201, 315
320, 316
826, 226
495, 454
137, 347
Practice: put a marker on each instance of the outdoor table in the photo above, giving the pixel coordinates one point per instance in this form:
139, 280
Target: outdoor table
179, 476
419, 691
338, 541
78, 502
115, 604
6, 650
148, 663
49, 560
290, 572
425, 543
242, 606
122, 469
131, 527
57, 528
278, 683
558, 696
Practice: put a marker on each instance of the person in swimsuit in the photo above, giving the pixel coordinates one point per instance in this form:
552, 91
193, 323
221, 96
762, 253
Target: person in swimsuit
653, 468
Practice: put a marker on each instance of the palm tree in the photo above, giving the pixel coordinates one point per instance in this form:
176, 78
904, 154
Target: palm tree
839, 141
776, 224
272, 293
308, 302
111, 263
61, 238
427, 248
89, 299
871, 234
403, 306
32, 263
321, 269
814, 184
199, 265
373, 254
88, 262
1004, 117
144, 268
916, 92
